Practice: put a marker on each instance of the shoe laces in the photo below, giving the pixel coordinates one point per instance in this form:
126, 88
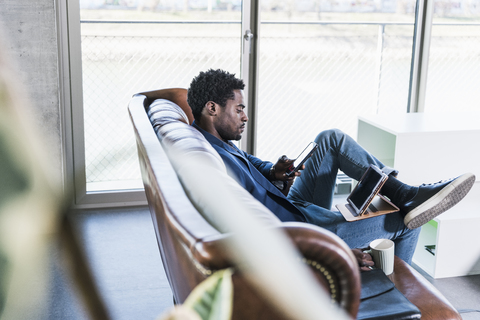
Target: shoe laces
433, 183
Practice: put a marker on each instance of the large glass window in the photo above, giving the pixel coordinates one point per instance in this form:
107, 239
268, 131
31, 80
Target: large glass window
321, 63
325, 62
454, 63
133, 46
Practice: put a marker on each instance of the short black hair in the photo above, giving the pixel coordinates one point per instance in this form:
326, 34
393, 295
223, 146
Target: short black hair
212, 85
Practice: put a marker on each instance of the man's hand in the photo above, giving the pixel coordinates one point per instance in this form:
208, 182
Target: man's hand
281, 167
364, 259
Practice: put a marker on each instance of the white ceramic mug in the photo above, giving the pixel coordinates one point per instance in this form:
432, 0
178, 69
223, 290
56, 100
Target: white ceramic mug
383, 254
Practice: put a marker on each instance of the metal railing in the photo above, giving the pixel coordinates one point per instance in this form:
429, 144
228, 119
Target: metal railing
331, 70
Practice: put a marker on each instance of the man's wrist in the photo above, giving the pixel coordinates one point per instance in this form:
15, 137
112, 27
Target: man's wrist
280, 184
272, 173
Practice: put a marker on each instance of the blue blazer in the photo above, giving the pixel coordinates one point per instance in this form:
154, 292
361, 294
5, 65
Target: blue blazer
251, 173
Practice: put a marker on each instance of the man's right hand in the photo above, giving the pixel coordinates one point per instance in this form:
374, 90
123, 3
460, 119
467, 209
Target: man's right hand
281, 167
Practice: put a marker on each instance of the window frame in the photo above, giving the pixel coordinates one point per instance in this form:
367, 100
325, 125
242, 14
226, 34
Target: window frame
72, 88
71, 93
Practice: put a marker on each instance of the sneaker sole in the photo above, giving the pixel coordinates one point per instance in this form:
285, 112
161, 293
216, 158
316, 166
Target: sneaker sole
440, 202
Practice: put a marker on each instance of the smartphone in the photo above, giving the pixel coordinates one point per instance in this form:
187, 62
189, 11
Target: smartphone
366, 189
300, 160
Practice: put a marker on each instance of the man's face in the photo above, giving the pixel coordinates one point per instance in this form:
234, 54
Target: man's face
230, 121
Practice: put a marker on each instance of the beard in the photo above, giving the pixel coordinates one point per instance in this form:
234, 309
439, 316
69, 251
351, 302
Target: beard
228, 134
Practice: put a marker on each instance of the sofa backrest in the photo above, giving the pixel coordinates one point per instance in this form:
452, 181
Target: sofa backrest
180, 229
182, 221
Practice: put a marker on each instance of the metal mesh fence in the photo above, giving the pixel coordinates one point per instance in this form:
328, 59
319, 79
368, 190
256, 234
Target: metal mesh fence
311, 79
115, 68
454, 69
324, 81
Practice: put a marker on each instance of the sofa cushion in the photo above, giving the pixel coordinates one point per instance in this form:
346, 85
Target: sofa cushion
187, 147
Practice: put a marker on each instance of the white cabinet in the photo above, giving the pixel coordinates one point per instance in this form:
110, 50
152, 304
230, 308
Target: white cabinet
456, 236
426, 148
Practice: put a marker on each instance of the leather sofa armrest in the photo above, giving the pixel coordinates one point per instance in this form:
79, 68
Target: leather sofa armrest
330, 259
432, 304
323, 250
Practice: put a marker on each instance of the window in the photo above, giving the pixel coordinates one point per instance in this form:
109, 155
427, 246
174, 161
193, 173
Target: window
325, 62
126, 48
454, 63
312, 65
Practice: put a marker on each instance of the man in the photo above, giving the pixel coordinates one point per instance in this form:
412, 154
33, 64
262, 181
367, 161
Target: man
217, 103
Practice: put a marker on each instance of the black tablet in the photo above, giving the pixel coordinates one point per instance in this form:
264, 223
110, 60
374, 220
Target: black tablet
366, 189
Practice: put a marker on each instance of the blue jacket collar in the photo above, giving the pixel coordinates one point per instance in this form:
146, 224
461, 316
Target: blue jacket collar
214, 140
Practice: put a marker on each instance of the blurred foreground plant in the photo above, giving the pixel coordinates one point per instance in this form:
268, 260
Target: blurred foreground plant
212, 299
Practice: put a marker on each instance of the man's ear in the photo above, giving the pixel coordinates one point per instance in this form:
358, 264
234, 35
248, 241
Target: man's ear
211, 108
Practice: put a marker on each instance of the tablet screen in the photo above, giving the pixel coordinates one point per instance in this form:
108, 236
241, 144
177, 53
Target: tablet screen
361, 196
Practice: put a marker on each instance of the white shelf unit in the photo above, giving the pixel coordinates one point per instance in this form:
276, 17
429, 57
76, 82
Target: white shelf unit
426, 148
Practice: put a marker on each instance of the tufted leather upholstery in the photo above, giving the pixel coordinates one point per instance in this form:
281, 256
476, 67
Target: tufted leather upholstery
191, 246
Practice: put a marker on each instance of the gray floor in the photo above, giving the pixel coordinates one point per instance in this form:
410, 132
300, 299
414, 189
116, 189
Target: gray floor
122, 248
124, 256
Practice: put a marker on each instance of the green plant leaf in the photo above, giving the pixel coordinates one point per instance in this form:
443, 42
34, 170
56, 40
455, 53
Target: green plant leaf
212, 299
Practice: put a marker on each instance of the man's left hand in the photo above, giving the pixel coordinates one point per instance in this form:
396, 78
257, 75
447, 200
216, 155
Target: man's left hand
365, 260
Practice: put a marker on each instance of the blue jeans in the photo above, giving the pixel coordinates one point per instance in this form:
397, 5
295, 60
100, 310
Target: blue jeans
312, 193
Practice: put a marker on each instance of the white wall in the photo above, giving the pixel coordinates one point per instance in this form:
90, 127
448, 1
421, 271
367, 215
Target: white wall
31, 38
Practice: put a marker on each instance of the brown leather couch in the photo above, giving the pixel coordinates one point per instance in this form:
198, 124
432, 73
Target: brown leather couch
191, 248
